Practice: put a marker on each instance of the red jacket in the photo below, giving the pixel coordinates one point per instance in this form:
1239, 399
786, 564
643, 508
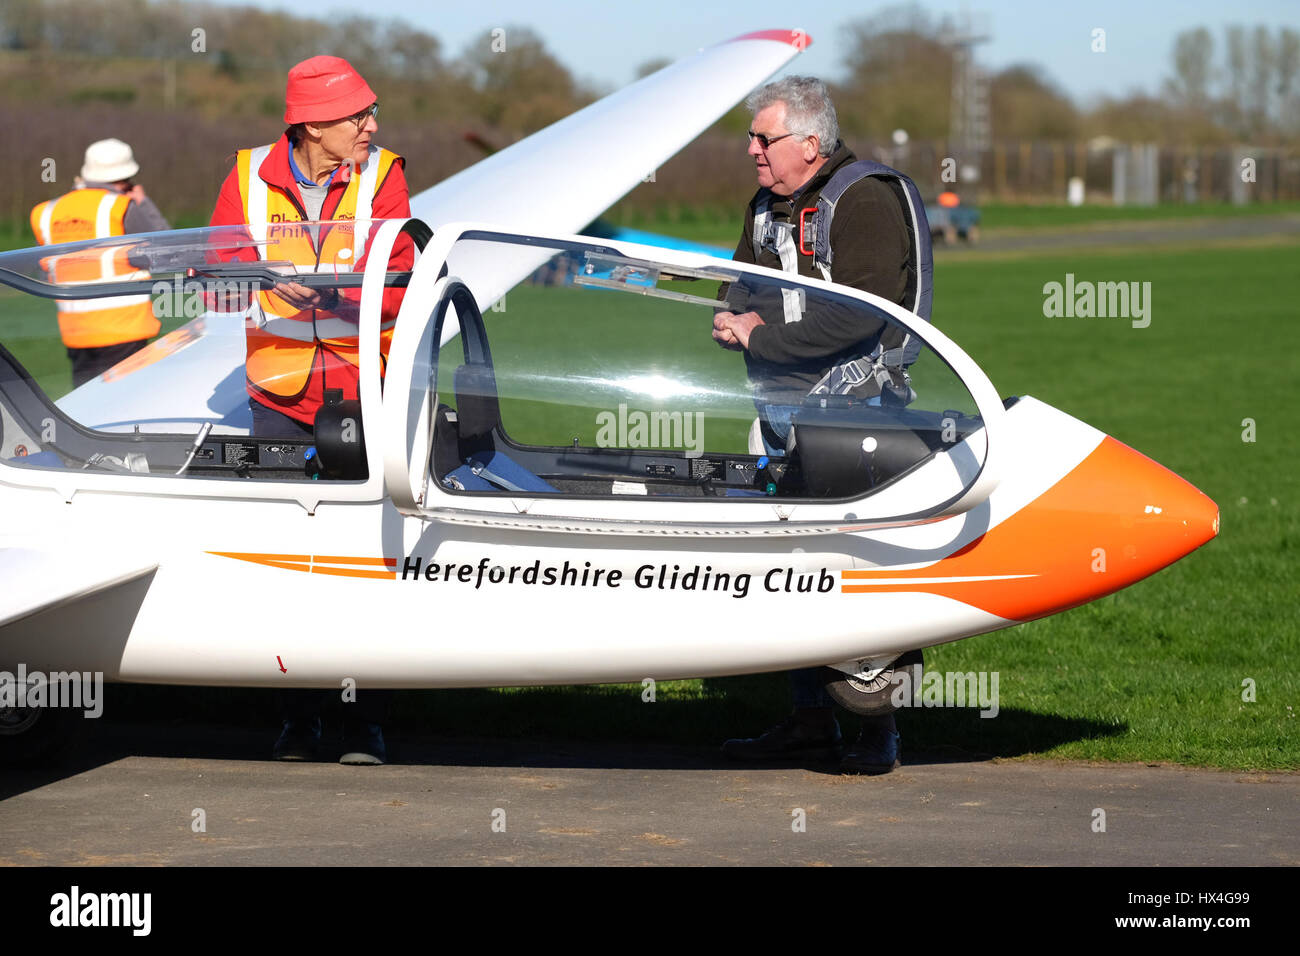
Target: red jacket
391, 201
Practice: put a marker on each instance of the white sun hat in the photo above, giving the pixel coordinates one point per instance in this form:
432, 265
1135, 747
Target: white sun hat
109, 161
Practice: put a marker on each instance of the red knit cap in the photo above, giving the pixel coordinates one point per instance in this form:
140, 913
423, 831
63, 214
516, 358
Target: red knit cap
325, 88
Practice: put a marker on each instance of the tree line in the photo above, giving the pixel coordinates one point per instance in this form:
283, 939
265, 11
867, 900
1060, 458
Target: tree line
231, 61
1244, 85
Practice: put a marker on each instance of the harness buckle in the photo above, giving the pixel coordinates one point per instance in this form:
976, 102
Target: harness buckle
806, 227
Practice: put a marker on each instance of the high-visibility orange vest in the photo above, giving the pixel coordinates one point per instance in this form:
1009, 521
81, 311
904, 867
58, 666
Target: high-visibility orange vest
93, 323
284, 342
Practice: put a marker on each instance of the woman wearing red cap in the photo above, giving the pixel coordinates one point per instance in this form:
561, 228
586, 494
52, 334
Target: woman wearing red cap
301, 342
324, 167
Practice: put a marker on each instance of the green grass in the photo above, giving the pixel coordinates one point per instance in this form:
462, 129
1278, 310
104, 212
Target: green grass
1153, 673
1005, 216
17, 233
722, 226
30, 331
1156, 670
709, 224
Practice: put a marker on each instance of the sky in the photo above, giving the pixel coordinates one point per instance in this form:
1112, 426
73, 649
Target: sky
604, 42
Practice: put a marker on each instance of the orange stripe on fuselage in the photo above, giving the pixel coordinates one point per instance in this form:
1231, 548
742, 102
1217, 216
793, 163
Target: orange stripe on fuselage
1095, 531
326, 559
315, 565
259, 557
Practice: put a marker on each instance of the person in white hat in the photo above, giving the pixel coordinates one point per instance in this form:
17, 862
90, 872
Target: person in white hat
110, 164
99, 333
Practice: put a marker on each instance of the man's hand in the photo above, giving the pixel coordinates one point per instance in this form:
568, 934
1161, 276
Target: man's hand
732, 331
298, 295
136, 193
722, 334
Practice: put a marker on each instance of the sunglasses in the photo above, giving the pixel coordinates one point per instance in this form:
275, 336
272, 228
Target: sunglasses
360, 118
764, 141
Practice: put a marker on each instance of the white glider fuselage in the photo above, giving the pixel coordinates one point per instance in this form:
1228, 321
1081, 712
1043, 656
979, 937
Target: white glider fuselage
402, 578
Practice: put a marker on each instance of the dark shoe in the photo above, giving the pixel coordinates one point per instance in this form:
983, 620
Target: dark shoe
365, 746
795, 738
876, 749
299, 740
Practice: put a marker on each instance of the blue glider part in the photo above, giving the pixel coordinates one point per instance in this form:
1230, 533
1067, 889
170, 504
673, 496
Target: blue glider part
662, 241
493, 471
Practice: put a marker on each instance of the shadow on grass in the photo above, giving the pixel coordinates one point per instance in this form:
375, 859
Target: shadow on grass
605, 726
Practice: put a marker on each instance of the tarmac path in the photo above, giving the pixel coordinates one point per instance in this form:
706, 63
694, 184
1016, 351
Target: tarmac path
132, 800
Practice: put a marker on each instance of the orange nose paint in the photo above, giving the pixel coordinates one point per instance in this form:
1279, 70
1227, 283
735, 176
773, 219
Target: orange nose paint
1115, 519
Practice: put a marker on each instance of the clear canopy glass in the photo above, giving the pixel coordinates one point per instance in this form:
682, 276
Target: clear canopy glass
592, 370
599, 375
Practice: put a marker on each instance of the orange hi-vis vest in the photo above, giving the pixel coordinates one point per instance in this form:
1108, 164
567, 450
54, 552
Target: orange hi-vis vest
93, 323
288, 348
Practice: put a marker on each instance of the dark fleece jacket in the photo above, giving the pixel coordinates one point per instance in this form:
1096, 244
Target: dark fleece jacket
870, 245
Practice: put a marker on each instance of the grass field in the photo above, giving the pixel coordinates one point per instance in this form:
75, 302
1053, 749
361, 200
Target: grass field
722, 226
1006, 216
1154, 673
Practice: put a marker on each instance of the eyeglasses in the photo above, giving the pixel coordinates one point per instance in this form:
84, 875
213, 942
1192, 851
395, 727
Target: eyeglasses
360, 118
765, 141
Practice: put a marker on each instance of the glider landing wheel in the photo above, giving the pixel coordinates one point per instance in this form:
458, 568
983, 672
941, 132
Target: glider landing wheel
871, 695
33, 735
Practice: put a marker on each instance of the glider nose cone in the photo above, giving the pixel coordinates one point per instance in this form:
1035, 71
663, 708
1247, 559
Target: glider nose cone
1200, 516
1175, 517
1117, 518
1132, 515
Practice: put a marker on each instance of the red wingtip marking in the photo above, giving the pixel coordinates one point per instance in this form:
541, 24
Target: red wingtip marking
796, 38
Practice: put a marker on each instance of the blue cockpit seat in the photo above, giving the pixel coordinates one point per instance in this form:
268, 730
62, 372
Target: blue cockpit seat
40, 459
465, 453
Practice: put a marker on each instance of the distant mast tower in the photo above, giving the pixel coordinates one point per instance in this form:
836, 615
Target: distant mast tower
970, 124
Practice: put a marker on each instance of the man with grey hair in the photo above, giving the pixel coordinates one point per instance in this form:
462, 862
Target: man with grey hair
794, 142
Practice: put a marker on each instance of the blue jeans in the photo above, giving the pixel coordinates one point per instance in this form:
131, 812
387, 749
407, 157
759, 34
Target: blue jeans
774, 427
774, 423
808, 689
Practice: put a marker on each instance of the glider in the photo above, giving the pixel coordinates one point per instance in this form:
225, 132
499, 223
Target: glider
553, 480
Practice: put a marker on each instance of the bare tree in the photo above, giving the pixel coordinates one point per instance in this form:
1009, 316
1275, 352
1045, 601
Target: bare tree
652, 66
520, 85
1235, 42
1027, 106
1262, 65
900, 76
415, 55
1288, 71
1193, 67
1288, 61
